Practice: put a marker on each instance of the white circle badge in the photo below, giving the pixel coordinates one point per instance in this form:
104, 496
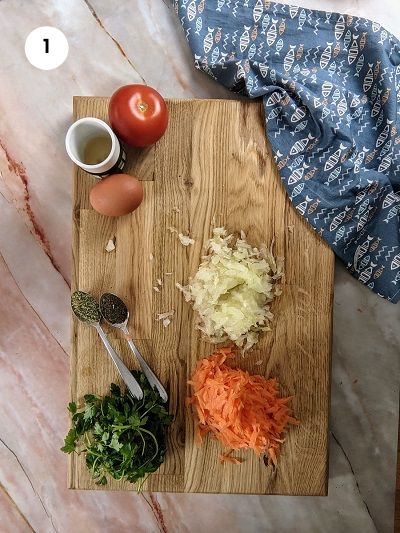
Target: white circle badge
46, 48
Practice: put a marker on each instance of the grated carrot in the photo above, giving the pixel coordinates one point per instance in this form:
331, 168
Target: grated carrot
227, 458
240, 410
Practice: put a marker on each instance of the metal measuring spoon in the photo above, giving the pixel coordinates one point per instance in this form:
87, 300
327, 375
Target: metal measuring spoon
86, 309
115, 313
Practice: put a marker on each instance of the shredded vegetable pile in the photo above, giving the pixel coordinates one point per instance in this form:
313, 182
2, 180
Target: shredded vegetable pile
239, 409
232, 289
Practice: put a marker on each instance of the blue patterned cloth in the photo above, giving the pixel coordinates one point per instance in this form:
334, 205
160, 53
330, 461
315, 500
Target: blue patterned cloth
330, 87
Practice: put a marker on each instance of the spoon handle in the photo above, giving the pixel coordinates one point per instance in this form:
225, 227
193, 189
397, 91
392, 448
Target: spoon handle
147, 371
125, 374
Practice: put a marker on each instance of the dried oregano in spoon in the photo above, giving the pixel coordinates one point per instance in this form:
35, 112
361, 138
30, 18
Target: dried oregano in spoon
122, 437
85, 307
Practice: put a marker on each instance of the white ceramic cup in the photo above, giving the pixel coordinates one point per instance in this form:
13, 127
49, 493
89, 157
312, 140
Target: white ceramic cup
84, 130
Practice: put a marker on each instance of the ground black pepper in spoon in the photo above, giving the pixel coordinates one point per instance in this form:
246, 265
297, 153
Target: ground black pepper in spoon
113, 309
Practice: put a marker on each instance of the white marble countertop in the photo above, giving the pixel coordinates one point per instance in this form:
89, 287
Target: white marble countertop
113, 43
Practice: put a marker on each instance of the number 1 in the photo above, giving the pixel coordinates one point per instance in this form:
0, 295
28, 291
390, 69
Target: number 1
46, 48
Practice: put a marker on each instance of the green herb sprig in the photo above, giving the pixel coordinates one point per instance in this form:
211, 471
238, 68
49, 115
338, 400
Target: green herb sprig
122, 437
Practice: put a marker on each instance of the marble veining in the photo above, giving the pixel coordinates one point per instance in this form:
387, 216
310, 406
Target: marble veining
113, 43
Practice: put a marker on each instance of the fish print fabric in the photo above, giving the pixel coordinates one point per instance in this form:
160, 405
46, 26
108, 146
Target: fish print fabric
330, 87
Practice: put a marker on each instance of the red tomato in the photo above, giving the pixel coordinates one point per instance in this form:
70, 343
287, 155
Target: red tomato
138, 115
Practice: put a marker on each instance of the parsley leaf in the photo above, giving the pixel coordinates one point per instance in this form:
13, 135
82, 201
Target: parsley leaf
72, 407
69, 442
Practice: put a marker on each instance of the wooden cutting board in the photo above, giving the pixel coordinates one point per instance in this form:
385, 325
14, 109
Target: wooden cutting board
213, 166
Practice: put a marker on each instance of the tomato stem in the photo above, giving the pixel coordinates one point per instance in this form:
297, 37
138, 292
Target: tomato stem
142, 106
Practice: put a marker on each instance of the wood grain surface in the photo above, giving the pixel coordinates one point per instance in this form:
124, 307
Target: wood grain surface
397, 493
212, 167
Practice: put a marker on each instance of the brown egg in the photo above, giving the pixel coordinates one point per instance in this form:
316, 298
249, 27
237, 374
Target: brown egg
116, 195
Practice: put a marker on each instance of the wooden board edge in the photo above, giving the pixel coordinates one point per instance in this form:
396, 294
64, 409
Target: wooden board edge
74, 263
331, 303
113, 488
396, 527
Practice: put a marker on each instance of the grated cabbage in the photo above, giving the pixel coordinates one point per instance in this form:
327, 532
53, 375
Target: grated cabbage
232, 288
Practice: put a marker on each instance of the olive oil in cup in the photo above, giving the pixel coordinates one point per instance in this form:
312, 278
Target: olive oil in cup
94, 147
97, 149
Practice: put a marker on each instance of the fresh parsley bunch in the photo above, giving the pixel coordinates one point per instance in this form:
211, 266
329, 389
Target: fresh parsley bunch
121, 436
